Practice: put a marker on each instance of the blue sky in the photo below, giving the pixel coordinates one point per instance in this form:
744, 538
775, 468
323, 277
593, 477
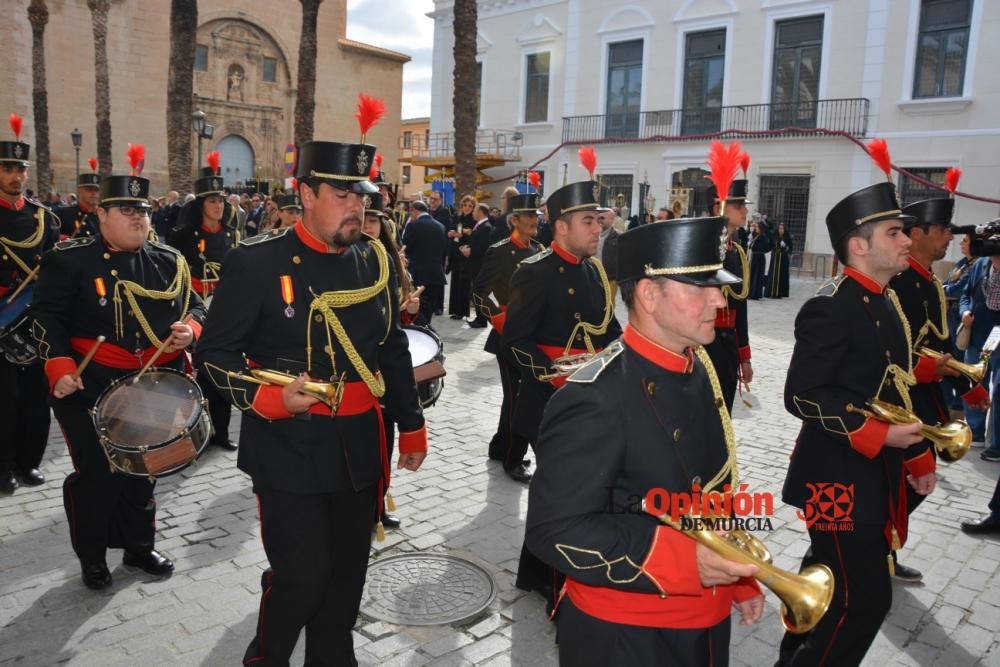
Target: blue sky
403, 27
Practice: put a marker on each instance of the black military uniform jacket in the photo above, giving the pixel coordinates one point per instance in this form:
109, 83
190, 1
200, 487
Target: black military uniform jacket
261, 316
851, 345
24, 221
76, 299
75, 221
479, 243
735, 312
491, 288
204, 249
551, 294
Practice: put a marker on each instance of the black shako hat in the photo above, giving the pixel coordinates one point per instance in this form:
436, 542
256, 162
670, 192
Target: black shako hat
874, 203
124, 191
375, 204
937, 211
208, 183
579, 196
737, 192
91, 180
290, 200
15, 151
689, 250
523, 203
344, 166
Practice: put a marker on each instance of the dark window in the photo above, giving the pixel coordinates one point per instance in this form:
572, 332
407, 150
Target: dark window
784, 198
624, 89
704, 70
407, 139
911, 190
798, 44
406, 174
536, 88
479, 94
201, 58
615, 185
694, 183
941, 48
270, 70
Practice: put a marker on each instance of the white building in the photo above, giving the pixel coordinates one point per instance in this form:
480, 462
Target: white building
648, 82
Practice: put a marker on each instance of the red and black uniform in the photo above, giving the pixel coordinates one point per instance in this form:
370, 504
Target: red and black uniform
614, 432
76, 301
319, 480
850, 346
731, 346
24, 412
490, 293
78, 220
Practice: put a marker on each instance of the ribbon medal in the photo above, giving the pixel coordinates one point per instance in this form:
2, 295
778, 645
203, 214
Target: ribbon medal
201, 248
288, 296
102, 292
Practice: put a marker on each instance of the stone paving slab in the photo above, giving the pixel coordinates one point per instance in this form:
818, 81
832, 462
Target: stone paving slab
461, 504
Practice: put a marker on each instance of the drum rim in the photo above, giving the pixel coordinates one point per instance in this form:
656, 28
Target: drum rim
99, 420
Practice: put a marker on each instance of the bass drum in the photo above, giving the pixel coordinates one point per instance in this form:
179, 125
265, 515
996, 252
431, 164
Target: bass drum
427, 355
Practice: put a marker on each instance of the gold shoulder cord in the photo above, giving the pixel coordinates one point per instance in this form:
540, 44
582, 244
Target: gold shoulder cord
326, 302
29, 242
902, 379
744, 292
941, 332
609, 309
730, 469
180, 284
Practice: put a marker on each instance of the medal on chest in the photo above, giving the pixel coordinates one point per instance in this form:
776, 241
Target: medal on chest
288, 296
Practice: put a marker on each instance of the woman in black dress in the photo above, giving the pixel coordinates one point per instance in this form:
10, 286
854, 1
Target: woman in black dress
460, 292
759, 245
777, 279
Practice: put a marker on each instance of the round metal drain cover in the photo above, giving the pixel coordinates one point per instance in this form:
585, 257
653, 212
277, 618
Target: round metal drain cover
426, 589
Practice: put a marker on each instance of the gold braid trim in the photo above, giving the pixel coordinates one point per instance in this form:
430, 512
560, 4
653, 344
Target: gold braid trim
609, 311
941, 332
730, 469
326, 302
744, 292
30, 242
180, 284
902, 379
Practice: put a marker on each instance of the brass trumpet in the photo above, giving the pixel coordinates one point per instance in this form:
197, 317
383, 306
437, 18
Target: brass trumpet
975, 372
328, 393
805, 596
952, 440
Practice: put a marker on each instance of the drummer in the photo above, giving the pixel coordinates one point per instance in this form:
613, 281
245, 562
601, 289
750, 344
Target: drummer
134, 292
205, 232
26, 230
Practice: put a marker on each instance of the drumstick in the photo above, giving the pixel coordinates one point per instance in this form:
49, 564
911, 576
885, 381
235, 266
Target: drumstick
24, 283
159, 351
86, 360
417, 292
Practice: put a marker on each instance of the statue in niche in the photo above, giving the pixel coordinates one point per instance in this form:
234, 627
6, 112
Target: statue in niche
234, 90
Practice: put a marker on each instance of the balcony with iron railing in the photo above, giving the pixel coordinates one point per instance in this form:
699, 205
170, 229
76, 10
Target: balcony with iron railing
493, 148
747, 121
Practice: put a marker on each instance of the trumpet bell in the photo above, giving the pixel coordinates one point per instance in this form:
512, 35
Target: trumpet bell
952, 441
813, 594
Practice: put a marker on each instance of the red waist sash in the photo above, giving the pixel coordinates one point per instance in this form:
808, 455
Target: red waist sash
113, 356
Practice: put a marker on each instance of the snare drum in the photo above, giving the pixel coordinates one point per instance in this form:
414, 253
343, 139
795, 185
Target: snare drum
154, 427
427, 354
16, 341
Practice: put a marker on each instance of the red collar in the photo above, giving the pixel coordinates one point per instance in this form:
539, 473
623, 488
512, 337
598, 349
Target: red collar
16, 206
864, 280
309, 240
659, 355
922, 270
208, 230
84, 209
517, 242
565, 254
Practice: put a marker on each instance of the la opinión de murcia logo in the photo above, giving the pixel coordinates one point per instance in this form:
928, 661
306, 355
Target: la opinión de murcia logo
830, 506
726, 510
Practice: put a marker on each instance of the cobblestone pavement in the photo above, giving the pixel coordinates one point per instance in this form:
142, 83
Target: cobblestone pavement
457, 503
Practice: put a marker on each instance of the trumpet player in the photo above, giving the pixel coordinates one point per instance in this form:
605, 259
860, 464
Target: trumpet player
852, 345
646, 412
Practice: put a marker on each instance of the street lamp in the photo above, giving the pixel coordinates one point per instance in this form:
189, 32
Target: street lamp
198, 125
77, 138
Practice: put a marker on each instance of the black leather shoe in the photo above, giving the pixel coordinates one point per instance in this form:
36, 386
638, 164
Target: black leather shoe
152, 562
456, 317
390, 520
477, 324
95, 575
519, 474
32, 477
987, 526
908, 574
227, 444
8, 483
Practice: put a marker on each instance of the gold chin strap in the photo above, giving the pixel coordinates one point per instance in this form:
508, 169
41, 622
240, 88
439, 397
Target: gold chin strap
730, 470
180, 284
326, 302
30, 242
588, 328
744, 292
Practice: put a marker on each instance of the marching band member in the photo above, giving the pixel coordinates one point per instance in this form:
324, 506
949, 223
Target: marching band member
81, 218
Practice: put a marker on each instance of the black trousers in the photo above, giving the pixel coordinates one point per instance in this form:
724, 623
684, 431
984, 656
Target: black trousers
861, 599
460, 288
24, 415
317, 546
431, 300
105, 509
219, 409
725, 357
585, 641
506, 445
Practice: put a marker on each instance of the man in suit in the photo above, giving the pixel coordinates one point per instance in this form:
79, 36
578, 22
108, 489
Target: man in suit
479, 243
980, 309
426, 242
442, 214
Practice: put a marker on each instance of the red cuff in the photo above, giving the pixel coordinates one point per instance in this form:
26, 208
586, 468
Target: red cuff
744, 353
976, 395
56, 367
745, 589
559, 381
926, 370
671, 563
921, 465
868, 439
498, 320
269, 404
196, 327
407, 317
413, 442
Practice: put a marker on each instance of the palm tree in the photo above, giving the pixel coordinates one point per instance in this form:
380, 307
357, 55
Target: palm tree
305, 97
466, 17
102, 84
180, 91
38, 15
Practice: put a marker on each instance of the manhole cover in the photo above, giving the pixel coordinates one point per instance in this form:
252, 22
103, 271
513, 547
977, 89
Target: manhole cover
426, 589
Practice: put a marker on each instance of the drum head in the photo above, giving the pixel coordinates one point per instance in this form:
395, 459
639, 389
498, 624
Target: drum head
424, 345
160, 406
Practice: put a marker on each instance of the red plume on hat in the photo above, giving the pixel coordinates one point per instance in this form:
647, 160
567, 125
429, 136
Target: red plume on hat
588, 158
15, 125
136, 157
370, 111
376, 167
536, 180
213, 160
93, 164
723, 161
951, 177
745, 164
295, 186
878, 149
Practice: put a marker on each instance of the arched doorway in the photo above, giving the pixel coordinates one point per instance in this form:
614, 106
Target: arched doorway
236, 160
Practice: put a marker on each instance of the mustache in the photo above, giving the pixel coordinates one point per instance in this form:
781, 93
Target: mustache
351, 218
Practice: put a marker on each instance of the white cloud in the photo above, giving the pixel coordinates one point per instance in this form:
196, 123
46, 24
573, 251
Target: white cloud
404, 28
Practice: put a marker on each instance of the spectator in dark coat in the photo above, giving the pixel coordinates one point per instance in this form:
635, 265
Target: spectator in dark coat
426, 242
980, 309
479, 243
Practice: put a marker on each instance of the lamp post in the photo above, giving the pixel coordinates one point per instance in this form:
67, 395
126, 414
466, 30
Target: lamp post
198, 125
77, 138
